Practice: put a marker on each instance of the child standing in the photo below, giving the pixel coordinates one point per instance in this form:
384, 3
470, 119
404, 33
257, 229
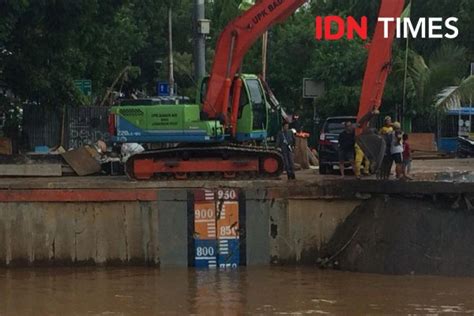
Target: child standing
406, 156
396, 150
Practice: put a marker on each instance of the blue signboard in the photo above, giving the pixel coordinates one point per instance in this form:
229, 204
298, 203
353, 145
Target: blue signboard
229, 253
163, 89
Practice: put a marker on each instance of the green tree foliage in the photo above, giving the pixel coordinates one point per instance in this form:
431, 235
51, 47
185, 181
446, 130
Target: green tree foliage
51, 43
295, 54
46, 45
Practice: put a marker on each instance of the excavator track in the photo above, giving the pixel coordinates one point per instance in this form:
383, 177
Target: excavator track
206, 162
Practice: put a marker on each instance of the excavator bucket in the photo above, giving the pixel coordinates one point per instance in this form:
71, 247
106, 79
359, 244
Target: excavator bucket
374, 147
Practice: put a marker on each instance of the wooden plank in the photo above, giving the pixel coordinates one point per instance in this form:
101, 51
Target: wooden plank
77, 195
5, 146
420, 155
422, 142
31, 170
82, 162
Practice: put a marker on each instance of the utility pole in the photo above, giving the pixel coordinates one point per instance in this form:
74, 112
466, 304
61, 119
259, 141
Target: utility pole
406, 13
201, 29
170, 41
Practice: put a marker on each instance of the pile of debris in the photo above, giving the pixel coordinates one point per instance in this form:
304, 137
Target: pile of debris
96, 159
465, 147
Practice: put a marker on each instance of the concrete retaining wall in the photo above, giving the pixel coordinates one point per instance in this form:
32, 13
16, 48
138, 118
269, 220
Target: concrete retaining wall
278, 230
298, 233
46, 233
292, 231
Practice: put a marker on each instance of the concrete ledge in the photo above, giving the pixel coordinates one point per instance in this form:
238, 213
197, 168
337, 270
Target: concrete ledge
79, 195
97, 190
173, 195
31, 170
319, 187
401, 187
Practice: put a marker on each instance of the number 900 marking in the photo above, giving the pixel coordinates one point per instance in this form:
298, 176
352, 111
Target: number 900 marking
204, 213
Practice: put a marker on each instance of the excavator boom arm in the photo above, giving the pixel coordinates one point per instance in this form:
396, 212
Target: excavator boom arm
378, 68
234, 42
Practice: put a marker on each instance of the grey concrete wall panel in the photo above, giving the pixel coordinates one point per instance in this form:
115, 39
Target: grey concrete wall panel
303, 227
78, 233
280, 244
257, 232
173, 227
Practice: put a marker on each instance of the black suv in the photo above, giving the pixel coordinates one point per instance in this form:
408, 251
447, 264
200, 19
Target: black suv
328, 142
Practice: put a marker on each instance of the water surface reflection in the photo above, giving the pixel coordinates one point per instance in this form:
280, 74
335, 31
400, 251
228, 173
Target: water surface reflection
275, 290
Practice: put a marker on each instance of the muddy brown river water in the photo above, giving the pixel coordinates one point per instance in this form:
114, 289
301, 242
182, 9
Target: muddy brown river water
256, 291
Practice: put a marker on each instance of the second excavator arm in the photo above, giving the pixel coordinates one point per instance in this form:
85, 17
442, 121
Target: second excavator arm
379, 61
378, 68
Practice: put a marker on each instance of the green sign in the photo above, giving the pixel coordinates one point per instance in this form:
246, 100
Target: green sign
85, 86
246, 4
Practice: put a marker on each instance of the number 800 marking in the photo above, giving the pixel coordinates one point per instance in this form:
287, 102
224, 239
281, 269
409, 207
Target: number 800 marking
205, 251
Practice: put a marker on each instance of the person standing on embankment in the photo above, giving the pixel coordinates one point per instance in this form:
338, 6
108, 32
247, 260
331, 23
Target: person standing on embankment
406, 156
396, 150
346, 150
286, 142
387, 132
359, 154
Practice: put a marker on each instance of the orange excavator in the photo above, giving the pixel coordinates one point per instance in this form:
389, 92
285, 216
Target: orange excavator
224, 133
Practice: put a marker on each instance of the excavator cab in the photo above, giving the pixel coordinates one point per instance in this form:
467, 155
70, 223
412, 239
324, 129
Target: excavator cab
252, 109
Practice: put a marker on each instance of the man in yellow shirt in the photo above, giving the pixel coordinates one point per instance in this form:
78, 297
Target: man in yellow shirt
387, 127
386, 131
